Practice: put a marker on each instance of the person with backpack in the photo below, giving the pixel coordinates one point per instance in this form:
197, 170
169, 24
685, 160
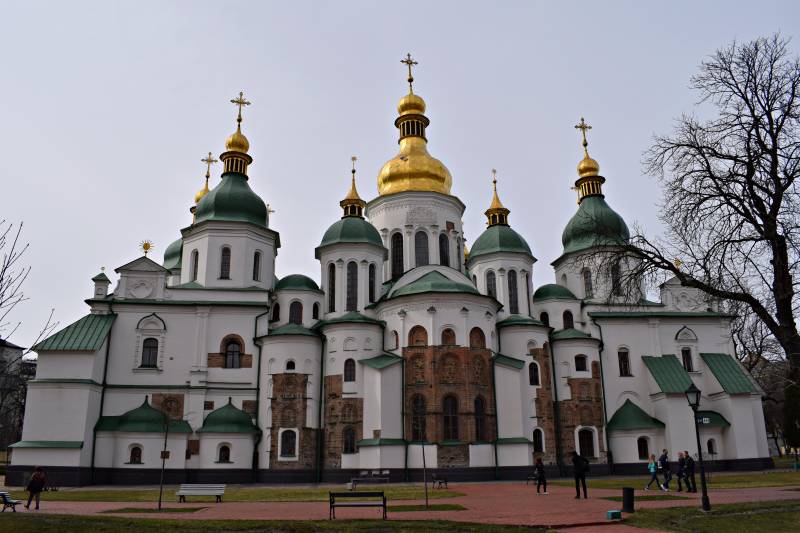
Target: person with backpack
35, 486
663, 465
682, 472
652, 467
580, 467
689, 475
541, 478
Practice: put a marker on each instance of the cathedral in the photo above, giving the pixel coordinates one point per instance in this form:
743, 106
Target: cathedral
411, 351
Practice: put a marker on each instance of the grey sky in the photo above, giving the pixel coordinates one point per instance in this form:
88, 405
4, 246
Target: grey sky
107, 108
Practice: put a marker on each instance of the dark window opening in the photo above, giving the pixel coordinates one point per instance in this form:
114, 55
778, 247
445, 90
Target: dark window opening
224, 454
444, 250
686, 356
569, 322
581, 363
288, 443
257, 266
418, 415
397, 255
352, 286
586, 442
296, 313
225, 264
644, 451
544, 318
624, 363
150, 353
350, 370
136, 456
421, 249
480, 419
491, 284
331, 288
450, 417
538, 441
349, 440
533, 374
233, 352
371, 280
513, 300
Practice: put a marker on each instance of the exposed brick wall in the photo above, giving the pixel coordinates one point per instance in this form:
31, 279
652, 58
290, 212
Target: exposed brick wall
584, 409
544, 405
340, 412
217, 360
249, 407
173, 407
453, 456
289, 411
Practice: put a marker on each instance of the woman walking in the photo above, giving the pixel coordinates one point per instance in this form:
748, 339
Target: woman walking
36, 486
541, 479
652, 467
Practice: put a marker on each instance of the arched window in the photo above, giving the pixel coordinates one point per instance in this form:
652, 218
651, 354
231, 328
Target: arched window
397, 255
686, 356
586, 442
644, 449
417, 336
276, 312
444, 250
371, 280
448, 336
588, 291
421, 256
290, 366
195, 263
224, 454
288, 444
538, 440
711, 446
225, 264
513, 299
544, 318
616, 279
136, 455
257, 266
349, 440
491, 284
150, 353
418, 414
480, 419
568, 320
395, 339
624, 358
296, 313
581, 363
477, 339
533, 374
331, 288
450, 417
233, 352
349, 370
352, 286
315, 311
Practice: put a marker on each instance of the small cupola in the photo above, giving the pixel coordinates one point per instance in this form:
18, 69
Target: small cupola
497, 212
589, 181
101, 283
352, 204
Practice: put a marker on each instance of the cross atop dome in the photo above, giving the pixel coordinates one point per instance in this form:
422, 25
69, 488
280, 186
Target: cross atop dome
409, 62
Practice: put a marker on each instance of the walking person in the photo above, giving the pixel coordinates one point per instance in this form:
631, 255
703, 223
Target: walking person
35, 486
682, 472
663, 465
580, 467
541, 478
652, 467
689, 476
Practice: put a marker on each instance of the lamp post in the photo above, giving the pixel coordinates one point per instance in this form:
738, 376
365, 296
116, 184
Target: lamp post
167, 405
693, 397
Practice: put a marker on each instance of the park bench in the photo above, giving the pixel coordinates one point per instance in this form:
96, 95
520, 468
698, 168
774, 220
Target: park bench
349, 498
200, 490
8, 502
439, 481
367, 476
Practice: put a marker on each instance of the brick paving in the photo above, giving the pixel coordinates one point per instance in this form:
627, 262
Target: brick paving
498, 503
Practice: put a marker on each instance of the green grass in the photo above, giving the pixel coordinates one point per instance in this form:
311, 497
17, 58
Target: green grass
44, 523
719, 480
421, 507
761, 517
232, 494
649, 498
154, 510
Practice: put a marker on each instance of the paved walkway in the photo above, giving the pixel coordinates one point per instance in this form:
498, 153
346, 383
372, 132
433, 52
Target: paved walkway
498, 503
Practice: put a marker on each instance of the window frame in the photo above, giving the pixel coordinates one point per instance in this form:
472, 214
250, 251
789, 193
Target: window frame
152, 351
233, 358
282, 454
646, 441
140, 449
349, 371
422, 252
513, 292
444, 250
225, 263
585, 359
479, 414
349, 445
567, 319
686, 350
588, 287
351, 300
331, 288
257, 265
419, 413
396, 245
450, 429
224, 446
534, 376
195, 265
625, 370
491, 284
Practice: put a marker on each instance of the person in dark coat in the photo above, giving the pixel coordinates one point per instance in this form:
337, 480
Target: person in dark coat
580, 465
691, 483
682, 472
663, 465
35, 486
541, 478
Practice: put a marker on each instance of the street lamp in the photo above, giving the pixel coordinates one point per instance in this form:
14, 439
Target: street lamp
693, 397
167, 405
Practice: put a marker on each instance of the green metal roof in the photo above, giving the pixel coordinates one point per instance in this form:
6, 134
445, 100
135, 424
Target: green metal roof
728, 372
569, 333
379, 362
433, 282
712, 419
552, 291
352, 317
297, 282
232, 200
85, 335
658, 314
519, 320
173, 255
292, 329
508, 361
350, 230
499, 239
143, 419
381, 442
594, 224
631, 416
514, 440
101, 277
228, 419
63, 444
668, 372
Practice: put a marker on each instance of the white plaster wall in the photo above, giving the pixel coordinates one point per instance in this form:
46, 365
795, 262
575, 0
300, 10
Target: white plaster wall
481, 455
509, 406
64, 365
241, 447
152, 445
624, 447
340, 255
306, 298
46, 456
415, 455
514, 455
564, 352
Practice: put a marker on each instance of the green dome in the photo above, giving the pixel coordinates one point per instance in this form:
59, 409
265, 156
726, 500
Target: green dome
172, 255
351, 230
297, 282
595, 224
499, 238
553, 291
433, 282
232, 200
228, 419
144, 418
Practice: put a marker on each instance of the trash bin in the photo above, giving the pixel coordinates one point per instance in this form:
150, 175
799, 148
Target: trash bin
627, 500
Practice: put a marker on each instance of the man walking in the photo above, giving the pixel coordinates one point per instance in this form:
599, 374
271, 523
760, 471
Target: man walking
580, 467
691, 483
663, 465
682, 472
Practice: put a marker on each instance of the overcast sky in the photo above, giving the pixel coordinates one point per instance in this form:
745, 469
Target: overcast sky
106, 109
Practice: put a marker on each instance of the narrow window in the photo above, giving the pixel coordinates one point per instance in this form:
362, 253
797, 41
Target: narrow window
331, 288
233, 352
195, 263
580, 363
257, 266
513, 300
421, 248
288, 443
352, 286
588, 291
711, 446
396, 339
528, 293
533, 374
349, 440
397, 255
544, 318
569, 323
418, 414
276, 312
686, 356
448, 336
450, 417
624, 362
477, 339
616, 279
290, 366
417, 336
315, 311
350, 370
224, 454
444, 250
491, 284
371, 280
136, 455
150, 353
480, 419
296, 313
644, 450
538, 441
586, 442
225, 264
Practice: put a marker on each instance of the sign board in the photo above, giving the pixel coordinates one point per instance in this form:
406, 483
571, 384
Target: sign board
701, 420
165, 454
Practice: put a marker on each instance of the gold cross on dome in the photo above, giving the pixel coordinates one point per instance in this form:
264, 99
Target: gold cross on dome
494, 178
583, 126
354, 159
410, 63
209, 160
240, 101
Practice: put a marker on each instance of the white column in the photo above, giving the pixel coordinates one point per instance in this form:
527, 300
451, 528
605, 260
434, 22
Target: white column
464, 334
433, 338
402, 340
502, 289
433, 245
408, 248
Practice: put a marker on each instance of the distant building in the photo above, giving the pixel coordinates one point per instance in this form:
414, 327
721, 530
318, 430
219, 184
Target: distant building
14, 373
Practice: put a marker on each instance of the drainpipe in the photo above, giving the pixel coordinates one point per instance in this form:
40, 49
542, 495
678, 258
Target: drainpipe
102, 396
609, 455
318, 462
256, 455
556, 409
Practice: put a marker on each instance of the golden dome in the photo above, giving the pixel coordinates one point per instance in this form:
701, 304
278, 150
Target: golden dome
414, 169
201, 193
237, 142
588, 166
411, 104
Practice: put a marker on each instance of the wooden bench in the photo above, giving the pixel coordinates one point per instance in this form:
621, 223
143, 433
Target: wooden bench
364, 502
8, 502
369, 479
200, 490
439, 481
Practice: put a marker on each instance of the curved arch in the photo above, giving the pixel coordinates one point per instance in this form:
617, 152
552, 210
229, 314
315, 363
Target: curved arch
224, 453
477, 338
291, 366
448, 336
288, 442
586, 441
135, 454
315, 311
544, 318
538, 440
421, 251
349, 370
568, 320
533, 374
418, 336
296, 312
153, 319
686, 334
532, 344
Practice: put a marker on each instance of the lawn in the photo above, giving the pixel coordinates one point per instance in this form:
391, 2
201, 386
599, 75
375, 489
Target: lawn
719, 480
761, 517
44, 523
233, 494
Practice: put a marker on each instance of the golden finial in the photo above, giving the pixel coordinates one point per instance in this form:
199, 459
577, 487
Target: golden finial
352, 204
409, 63
208, 160
240, 101
587, 167
497, 212
583, 126
146, 245
237, 142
